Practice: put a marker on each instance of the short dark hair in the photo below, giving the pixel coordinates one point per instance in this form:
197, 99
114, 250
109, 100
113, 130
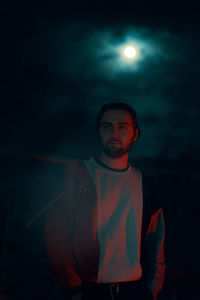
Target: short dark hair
117, 106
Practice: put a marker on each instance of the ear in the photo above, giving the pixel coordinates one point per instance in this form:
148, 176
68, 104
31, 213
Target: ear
136, 134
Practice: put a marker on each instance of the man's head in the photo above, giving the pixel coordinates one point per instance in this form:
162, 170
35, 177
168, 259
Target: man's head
117, 128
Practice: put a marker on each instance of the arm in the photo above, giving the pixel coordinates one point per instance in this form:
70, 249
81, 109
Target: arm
59, 230
154, 253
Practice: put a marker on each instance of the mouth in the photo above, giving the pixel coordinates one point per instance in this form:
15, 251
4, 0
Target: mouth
115, 143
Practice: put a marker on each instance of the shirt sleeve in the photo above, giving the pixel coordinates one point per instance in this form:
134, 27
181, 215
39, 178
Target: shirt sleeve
71, 237
59, 228
154, 252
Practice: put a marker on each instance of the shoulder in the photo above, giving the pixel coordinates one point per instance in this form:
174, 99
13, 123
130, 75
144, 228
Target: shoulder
74, 166
136, 172
77, 173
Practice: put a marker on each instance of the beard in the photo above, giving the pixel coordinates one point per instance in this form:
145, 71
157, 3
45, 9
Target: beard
116, 152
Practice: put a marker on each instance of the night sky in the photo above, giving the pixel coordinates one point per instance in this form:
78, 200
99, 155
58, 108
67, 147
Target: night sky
60, 63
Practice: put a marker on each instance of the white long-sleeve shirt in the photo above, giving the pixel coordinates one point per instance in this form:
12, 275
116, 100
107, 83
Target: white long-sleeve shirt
94, 233
119, 222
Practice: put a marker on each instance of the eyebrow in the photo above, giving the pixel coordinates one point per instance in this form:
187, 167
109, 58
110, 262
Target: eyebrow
120, 123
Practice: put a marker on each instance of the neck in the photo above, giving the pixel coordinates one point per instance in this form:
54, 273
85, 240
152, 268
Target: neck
119, 163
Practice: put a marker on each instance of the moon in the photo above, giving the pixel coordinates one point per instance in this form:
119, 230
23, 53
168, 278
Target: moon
130, 52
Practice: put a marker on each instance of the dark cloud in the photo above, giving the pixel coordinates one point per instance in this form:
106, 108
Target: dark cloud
66, 67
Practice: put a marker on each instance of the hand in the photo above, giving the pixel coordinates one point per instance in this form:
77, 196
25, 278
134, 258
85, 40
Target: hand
77, 296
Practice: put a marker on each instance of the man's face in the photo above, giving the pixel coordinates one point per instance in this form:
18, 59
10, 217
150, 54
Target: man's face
116, 132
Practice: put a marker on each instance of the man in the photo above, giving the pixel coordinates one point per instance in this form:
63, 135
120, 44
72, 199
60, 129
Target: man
103, 241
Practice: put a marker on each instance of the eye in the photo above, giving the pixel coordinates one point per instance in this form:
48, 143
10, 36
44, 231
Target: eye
123, 127
106, 126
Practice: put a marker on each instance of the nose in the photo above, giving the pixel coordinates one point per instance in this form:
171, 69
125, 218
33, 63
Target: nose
115, 132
